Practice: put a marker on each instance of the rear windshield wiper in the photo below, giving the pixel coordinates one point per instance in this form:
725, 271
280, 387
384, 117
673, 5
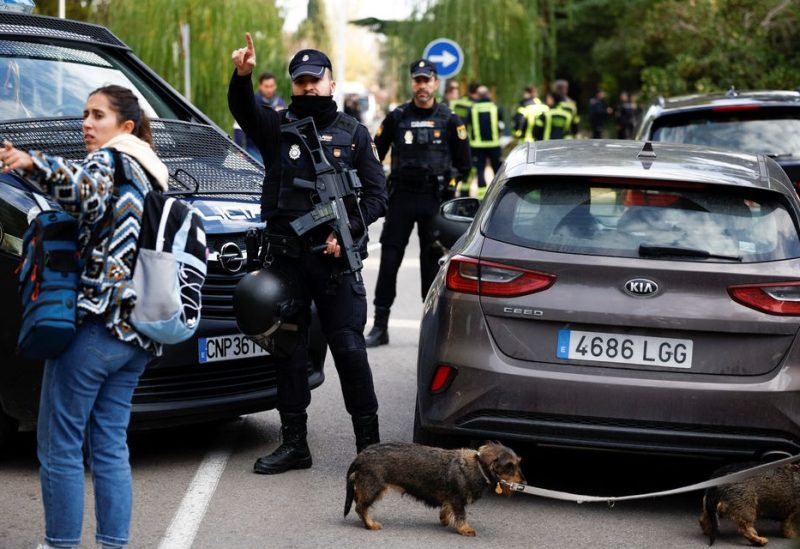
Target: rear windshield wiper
780, 155
649, 250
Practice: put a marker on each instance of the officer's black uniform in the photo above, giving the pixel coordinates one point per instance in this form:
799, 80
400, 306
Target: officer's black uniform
340, 298
429, 148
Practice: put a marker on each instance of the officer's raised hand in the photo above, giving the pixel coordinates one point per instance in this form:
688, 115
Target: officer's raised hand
245, 58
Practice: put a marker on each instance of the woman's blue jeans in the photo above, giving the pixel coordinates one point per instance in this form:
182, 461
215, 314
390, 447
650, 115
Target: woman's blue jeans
88, 391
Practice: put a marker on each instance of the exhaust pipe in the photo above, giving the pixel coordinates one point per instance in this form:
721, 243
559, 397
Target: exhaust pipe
774, 455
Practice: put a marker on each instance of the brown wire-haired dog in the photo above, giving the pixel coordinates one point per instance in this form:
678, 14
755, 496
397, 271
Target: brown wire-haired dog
449, 479
773, 494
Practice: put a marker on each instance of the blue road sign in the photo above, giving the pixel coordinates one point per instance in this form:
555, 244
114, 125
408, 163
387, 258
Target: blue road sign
446, 55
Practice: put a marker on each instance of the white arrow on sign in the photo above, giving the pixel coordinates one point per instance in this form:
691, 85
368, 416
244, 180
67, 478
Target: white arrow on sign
446, 59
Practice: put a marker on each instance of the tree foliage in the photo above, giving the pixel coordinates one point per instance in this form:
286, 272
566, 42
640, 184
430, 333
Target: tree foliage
653, 47
313, 30
74, 10
671, 47
152, 29
505, 42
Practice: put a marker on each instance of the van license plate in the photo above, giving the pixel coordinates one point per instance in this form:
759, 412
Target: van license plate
228, 347
624, 349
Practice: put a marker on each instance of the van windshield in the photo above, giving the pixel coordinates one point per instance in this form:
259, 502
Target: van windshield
43, 81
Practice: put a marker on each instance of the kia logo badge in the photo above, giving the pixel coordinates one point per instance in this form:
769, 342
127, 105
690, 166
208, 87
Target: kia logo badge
641, 287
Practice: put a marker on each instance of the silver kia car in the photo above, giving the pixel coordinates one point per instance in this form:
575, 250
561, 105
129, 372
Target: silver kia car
621, 295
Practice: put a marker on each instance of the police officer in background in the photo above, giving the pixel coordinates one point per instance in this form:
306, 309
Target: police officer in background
338, 294
430, 152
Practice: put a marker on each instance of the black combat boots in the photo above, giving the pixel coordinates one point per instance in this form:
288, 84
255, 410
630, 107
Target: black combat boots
379, 335
293, 453
366, 431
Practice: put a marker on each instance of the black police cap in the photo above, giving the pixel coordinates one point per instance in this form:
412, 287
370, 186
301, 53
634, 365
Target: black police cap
309, 62
422, 67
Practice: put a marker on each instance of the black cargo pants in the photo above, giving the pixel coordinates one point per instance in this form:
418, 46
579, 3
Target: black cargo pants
342, 310
405, 209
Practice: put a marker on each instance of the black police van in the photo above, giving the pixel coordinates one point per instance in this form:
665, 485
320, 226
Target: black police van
48, 66
766, 122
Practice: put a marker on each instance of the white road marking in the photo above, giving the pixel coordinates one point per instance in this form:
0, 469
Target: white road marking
400, 323
403, 323
186, 522
374, 263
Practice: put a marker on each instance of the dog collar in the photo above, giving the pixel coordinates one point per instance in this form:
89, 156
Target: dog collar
498, 489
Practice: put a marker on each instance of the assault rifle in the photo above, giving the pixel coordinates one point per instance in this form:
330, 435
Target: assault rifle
331, 187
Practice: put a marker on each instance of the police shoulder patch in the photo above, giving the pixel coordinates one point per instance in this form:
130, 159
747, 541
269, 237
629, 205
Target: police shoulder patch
462, 132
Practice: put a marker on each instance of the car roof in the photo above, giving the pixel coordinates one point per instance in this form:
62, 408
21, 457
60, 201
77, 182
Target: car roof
722, 99
626, 159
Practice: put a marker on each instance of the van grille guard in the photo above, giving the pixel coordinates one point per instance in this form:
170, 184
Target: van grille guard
37, 25
200, 159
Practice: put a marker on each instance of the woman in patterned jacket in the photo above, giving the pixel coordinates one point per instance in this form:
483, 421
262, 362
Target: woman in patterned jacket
87, 391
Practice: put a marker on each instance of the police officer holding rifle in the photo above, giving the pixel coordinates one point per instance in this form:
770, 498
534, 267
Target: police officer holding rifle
323, 186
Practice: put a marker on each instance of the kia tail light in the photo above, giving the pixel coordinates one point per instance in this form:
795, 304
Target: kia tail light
486, 278
777, 298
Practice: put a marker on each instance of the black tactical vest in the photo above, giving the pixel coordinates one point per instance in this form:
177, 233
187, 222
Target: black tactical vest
420, 151
336, 139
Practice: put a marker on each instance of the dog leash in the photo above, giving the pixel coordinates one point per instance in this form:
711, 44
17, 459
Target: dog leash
611, 500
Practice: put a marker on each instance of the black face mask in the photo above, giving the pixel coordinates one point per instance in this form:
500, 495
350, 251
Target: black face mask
322, 108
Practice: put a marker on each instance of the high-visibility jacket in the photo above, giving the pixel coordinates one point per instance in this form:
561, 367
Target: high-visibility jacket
559, 122
484, 125
461, 107
531, 114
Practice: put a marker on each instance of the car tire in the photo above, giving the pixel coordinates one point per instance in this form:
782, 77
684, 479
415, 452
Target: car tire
429, 438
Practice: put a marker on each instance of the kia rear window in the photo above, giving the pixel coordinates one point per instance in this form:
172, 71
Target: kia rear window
770, 131
636, 218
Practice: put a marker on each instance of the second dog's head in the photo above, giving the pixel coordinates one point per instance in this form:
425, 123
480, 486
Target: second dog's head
502, 463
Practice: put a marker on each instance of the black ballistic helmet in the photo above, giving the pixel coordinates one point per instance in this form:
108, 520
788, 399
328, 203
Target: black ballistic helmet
263, 300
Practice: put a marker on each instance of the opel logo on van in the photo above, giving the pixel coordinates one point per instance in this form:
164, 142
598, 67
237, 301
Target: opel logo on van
231, 258
641, 287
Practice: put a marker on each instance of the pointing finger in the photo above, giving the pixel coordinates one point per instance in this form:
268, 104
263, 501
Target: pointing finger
249, 40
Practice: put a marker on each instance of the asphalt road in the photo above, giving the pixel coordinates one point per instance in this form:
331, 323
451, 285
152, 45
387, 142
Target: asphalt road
194, 487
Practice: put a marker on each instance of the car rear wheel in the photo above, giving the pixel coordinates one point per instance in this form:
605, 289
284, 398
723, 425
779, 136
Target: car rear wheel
429, 438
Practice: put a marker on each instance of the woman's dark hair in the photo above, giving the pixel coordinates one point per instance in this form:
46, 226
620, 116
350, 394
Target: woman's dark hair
126, 105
